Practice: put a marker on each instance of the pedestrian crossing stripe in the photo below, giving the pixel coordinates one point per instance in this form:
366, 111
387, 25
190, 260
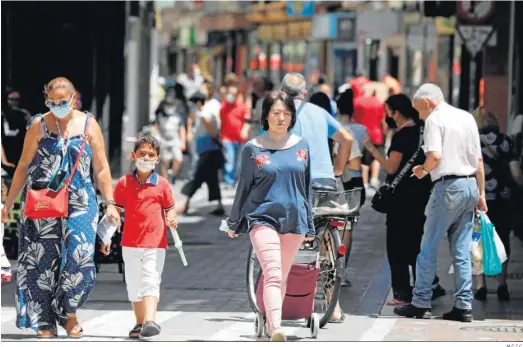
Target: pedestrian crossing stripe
244, 330
8, 314
114, 326
116, 323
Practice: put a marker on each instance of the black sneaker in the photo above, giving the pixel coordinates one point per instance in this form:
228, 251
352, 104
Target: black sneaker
219, 211
412, 311
150, 329
438, 291
458, 315
481, 294
503, 293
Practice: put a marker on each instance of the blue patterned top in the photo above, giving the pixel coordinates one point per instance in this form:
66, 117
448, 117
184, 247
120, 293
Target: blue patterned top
56, 270
274, 189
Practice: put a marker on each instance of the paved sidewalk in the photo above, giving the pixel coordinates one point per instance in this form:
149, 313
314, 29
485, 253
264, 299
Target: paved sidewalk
493, 320
207, 300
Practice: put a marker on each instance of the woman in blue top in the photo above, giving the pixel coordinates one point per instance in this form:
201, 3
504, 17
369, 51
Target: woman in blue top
273, 201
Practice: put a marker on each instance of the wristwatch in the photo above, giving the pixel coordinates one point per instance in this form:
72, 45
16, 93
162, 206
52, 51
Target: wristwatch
110, 202
425, 171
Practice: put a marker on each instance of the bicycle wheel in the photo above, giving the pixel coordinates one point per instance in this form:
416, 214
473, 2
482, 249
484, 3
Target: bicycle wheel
253, 275
331, 274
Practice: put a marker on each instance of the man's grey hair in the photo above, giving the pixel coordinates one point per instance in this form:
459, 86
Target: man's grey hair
294, 84
430, 92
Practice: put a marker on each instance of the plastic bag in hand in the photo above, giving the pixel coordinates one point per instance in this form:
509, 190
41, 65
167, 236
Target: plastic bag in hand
476, 249
491, 261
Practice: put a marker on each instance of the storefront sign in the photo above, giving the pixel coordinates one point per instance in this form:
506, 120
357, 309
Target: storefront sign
224, 21
300, 8
268, 13
285, 31
334, 26
346, 28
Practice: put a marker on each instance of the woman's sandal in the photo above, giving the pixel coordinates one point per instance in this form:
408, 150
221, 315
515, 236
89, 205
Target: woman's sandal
45, 334
73, 329
341, 319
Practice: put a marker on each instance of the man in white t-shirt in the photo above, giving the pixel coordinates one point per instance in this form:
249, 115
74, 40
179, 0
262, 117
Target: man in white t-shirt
455, 164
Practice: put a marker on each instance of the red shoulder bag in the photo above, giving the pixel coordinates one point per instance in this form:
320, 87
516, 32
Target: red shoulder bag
45, 203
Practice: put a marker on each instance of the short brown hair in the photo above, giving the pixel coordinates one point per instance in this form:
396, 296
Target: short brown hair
148, 141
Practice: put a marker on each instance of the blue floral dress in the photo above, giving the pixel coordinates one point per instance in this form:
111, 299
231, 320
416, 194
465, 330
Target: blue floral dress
56, 269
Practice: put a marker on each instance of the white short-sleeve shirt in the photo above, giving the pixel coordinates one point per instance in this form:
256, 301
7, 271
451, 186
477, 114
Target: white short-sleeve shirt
454, 134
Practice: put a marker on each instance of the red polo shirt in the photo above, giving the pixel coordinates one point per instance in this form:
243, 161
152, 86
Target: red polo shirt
233, 118
144, 205
369, 111
358, 85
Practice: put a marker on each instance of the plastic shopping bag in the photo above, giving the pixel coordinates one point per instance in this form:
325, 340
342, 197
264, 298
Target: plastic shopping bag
476, 249
500, 248
491, 260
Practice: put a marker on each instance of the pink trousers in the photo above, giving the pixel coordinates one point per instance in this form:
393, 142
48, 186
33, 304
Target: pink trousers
276, 253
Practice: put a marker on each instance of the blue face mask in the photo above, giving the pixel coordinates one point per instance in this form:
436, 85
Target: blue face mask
60, 111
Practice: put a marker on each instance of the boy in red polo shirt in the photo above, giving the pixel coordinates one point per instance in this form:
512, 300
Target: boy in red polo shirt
149, 208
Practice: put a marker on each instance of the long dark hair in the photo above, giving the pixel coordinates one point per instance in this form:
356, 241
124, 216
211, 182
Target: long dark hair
402, 104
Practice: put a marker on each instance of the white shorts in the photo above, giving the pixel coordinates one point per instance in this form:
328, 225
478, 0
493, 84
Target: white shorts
143, 271
171, 153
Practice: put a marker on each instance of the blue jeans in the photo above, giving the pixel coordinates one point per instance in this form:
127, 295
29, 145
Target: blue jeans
233, 152
450, 211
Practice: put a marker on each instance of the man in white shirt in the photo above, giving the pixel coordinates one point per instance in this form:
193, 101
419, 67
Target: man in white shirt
455, 164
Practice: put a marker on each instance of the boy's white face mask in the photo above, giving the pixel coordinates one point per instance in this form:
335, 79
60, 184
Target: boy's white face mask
145, 166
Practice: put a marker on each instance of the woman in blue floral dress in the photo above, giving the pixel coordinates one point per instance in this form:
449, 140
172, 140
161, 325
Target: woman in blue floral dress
56, 270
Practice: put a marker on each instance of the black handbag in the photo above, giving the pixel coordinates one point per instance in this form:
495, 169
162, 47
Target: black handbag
384, 197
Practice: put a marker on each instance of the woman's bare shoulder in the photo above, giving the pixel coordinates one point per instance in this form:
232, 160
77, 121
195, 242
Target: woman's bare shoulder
36, 121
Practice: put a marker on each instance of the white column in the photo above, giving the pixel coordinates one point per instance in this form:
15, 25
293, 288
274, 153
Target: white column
132, 85
155, 73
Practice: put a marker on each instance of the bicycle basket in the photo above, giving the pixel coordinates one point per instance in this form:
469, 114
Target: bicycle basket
336, 203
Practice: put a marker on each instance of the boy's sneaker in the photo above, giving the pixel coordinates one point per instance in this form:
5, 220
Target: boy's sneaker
150, 329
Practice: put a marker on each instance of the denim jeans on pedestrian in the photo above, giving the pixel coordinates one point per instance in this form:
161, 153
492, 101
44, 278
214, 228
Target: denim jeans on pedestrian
232, 156
450, 211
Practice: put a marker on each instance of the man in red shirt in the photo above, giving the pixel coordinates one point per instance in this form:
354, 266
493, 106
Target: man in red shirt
370, 112
232, 115
358, 84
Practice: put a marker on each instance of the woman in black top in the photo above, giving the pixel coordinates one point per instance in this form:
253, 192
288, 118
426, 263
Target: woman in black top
406, 218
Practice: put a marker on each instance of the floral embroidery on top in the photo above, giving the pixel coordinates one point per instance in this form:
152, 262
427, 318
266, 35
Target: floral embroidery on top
302, 154
261, 159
